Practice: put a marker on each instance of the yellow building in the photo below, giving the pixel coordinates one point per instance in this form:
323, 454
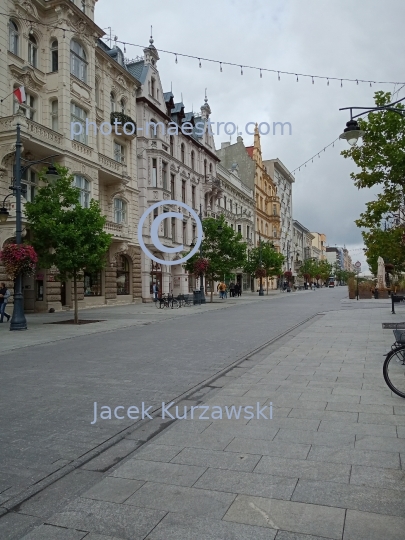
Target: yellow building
267, 200
319, 242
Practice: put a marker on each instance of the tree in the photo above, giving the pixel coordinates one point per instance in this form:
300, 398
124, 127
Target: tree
381, 159
308, 269
324, 270
222, 248
65, 234
271, 261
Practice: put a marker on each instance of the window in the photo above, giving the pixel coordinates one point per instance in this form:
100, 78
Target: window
183, 155
171, 145
97, 92
183, 191
54, 55
83, 6
92, 284
152, 87
239, 229
122, 105
120, 211
77, 114
119, 152
29, 185
247, 232
78, 62
122, 275
210, 168
205, 168
184, 233
236, 208
230, 205
274, 209
84, 186
164, 174
193, 205
112, 102
224, 202
54, 115
172, 188
173, 229
193, 160
13, 37
274, 233
29, 107
32, 51
154, 172
165, 228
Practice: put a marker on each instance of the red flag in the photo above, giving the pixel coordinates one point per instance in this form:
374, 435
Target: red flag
20, 94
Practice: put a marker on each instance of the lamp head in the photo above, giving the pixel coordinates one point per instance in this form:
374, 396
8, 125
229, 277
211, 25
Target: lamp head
52, 174
352, 132
4, 213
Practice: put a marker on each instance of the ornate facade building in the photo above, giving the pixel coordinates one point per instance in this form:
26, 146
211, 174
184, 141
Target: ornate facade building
69, 76
176, 161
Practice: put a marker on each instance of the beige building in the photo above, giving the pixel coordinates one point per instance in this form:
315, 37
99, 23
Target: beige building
70, 77
319, 244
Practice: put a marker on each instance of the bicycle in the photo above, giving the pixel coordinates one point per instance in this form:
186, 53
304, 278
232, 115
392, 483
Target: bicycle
167, 301
184, 300
394, 364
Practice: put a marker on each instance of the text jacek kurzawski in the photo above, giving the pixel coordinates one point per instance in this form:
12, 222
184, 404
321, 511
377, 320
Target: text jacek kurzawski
200, 412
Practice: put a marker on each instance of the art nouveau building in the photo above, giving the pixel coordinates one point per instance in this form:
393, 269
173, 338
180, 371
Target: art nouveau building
70, 77
176, 161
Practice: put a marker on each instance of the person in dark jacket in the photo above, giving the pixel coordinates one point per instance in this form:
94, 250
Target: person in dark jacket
4, 296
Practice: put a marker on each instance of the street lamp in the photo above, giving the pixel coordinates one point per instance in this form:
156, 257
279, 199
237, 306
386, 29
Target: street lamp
261, 292
18, 320
352, 132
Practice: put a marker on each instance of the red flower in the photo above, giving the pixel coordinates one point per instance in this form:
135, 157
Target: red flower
18, 259
201, 266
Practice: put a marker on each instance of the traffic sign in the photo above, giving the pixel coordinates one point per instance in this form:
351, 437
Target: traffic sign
358, 264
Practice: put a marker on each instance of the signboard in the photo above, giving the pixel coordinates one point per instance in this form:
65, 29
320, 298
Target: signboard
358, 264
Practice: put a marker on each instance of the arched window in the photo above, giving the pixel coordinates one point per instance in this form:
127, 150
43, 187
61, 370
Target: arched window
171, 145
33, 51
122, 105
120, 211
84, 186
193, 160
183, 153
14, 37
54, 55
112, 102
54, 115
78, 61
123, 275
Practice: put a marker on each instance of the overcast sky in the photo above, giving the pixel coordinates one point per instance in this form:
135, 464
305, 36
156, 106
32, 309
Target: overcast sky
362, 39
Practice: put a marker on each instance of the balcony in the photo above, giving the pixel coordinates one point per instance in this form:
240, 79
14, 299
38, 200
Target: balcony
123, 119
118, 230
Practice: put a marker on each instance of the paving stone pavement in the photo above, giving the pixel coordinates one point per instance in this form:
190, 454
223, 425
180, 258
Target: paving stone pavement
328, 465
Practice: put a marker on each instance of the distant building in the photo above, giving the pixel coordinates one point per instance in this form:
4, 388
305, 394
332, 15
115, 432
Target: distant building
319, 243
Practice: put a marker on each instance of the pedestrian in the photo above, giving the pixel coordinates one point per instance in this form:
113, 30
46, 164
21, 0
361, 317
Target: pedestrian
237, 289
4, 296
232, 289
222, 288
155, 292
225, 291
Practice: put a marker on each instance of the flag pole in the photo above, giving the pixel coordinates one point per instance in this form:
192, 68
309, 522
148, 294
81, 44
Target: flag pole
8, 95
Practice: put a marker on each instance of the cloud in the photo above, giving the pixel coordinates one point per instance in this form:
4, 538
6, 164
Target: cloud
338, 38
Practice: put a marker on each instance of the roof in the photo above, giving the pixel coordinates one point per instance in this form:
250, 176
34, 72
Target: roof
138, 70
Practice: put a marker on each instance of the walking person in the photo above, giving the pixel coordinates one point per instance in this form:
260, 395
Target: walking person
232, 289
222, 288
155, 292
4, 296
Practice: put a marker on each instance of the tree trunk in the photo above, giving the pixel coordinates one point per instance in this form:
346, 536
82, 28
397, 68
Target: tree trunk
76, 315
212, 291
267, 281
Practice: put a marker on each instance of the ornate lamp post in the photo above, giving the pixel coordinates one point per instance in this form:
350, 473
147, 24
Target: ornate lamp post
352, 133
18, 320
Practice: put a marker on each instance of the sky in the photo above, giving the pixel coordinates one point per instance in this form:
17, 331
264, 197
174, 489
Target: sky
361, 39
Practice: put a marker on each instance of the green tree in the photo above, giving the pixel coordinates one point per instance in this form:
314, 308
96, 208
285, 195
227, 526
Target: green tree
223, 249
65, 234
271, 261
308, 269
324, 270
386, 244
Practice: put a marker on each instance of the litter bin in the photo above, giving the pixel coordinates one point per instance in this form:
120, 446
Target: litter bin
197, 297
376, 294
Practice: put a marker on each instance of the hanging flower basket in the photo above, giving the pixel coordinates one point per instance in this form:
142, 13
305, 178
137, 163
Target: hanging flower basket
18, 259
201, 266
288, 274
260, 273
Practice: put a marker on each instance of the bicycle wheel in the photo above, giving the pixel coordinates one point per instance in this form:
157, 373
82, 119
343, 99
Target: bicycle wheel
394, 370
175, 304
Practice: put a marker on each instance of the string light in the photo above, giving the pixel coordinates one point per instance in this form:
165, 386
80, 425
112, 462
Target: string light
53, 26
261, 75
241, 70
125, 49
311, 159
220, 67
297, 78
341, 83
313, 81
176, 59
